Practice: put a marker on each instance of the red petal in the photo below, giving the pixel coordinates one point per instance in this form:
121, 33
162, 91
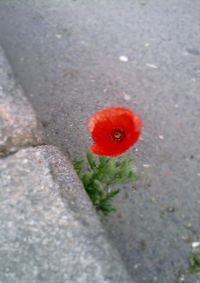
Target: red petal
102, 124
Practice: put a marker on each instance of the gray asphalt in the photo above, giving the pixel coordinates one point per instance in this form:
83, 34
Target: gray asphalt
66, 55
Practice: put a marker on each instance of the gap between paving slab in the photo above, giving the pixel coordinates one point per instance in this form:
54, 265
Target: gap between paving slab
49, 229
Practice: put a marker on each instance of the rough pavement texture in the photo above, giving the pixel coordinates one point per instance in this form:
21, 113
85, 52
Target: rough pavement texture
18, 123
66, 55
49, 232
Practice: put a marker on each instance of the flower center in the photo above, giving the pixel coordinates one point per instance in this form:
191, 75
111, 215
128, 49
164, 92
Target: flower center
117, 135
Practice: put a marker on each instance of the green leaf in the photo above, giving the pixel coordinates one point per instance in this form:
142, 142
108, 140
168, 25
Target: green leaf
106, 171
105, 207
195, 263
113, 194
98, 185
133, 177
90, 159
100, 176
78, 166
103, 160
86, 179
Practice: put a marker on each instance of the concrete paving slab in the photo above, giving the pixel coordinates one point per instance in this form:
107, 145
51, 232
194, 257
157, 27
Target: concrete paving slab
49, 229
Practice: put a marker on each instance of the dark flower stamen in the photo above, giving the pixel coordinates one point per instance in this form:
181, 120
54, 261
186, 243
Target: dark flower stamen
118, 135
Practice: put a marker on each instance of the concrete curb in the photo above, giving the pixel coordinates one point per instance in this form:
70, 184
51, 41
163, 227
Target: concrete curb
49, 229
19, 126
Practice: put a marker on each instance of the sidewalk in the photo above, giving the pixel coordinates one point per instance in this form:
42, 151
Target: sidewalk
49, 231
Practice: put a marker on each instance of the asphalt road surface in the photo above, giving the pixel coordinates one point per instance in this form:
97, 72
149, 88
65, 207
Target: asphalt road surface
75, 57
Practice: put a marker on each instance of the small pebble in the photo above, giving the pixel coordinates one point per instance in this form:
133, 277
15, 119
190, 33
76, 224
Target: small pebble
152, 66
58, 35
127, 97
170, 209
161, 137
181, 278
146, 165
198, 174
188, 225
195, 245
123, 58
136, 149
136, 265
147, 44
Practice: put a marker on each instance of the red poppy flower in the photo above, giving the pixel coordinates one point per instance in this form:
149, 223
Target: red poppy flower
114, 130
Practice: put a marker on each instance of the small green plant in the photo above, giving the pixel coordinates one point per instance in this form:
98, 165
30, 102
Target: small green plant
195, 263
101, 177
